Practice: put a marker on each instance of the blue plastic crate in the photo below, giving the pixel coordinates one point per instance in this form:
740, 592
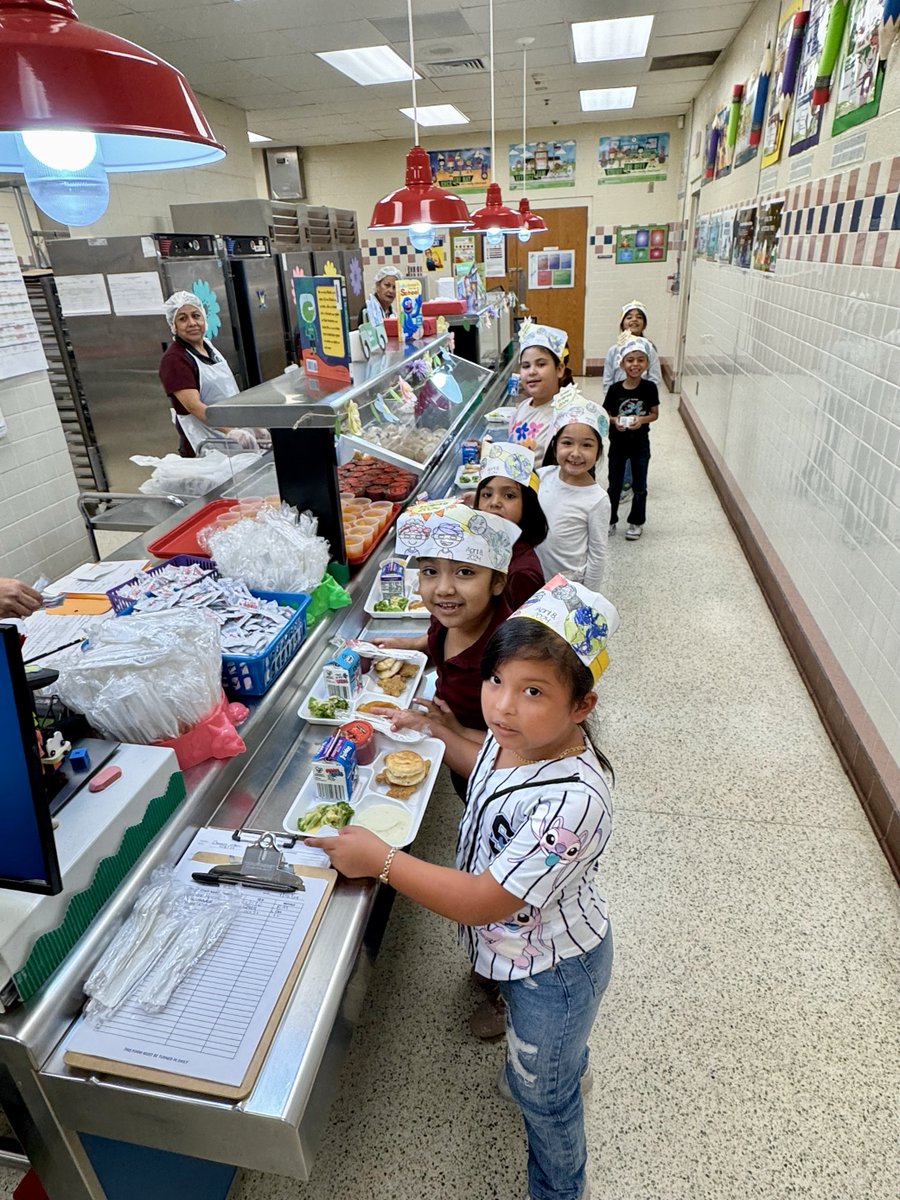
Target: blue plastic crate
245, 674
253, 675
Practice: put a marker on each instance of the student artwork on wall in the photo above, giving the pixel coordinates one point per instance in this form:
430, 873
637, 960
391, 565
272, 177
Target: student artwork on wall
743, 151
467, 170
788, 48
547, 165
726, 235
712, 236
806, 122
860, 79
551, 269
633, 158
700, 237
641, 244
723, 159
744, 235
768, 229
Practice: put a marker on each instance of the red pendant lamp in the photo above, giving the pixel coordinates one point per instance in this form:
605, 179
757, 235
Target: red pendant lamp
530, 222
420, 205
77, 103
495, 218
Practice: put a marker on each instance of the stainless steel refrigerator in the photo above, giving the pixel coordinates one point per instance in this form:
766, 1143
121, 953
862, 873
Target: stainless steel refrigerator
257, 306
118, 350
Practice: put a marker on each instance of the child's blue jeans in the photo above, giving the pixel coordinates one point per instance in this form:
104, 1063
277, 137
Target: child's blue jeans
549, 1019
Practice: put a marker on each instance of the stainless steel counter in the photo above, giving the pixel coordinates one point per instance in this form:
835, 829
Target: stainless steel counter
278, 1126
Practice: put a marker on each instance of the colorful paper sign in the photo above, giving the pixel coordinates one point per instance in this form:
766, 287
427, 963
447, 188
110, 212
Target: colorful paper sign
744, 235
323, 330
467, 170
723, 150
743, 151
633, 158
641, 244
859, 84
547, 165
551, 269
726, 235
712, 237
768, 228
409, 306
806, 121
773, 130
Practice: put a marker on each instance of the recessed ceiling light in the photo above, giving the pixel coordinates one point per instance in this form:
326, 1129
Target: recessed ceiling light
370, 64
436, 114
602, 41
593, 99
256, 137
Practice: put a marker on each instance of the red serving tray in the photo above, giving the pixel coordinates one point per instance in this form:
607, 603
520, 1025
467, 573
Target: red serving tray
183, 538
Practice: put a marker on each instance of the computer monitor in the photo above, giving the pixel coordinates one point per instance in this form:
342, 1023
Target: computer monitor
28, 861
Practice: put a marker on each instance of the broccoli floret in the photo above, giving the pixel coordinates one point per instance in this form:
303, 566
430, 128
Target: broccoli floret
336, 815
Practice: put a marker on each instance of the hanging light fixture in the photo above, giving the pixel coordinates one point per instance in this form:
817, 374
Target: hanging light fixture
531, 222
77, 103
420, 206
494, 220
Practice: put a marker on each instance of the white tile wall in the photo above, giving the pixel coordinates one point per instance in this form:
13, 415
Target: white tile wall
40, 529
796, 377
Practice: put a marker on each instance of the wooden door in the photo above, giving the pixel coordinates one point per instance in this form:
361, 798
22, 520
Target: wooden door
562, 307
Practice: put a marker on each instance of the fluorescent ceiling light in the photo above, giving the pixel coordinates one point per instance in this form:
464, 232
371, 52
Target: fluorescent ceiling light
593, 99
370, 64
602, 41
256, 137
436, 114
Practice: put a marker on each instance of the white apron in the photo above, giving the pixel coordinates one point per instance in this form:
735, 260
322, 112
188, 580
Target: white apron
216, 383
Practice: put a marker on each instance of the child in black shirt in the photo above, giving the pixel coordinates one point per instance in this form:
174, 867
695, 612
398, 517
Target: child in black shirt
632, 403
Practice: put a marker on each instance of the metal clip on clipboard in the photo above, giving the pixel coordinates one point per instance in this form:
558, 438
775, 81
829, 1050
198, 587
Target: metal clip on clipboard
261, 867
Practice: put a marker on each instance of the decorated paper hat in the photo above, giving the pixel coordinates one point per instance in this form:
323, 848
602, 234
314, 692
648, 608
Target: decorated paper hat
510, 461
582, 618
633, 344
572, 408
556, 340
448, 529
639, 305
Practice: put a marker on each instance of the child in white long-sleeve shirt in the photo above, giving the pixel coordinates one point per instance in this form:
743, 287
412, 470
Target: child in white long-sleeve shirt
576, 507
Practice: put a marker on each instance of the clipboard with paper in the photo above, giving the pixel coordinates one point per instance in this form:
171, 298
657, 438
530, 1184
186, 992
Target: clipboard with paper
214, 1033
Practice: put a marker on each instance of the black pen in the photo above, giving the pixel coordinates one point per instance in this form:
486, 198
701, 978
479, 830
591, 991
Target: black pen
47, 653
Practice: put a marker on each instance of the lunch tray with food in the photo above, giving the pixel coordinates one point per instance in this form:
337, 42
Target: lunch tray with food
410, 604
390, 796
390, 683
468, 475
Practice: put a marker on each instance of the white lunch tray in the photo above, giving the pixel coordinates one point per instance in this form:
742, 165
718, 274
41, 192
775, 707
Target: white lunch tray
412, 593
368, 792
369, 691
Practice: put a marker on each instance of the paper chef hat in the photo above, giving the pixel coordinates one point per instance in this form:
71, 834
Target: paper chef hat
448, 529
574, 409
547, 336
509, 460
584, 619
639, 305
631, 345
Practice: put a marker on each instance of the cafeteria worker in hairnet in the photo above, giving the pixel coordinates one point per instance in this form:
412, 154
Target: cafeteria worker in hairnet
196, 377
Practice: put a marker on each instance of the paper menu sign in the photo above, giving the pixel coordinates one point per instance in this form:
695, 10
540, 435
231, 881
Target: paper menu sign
136, 294
323, 330
82, 295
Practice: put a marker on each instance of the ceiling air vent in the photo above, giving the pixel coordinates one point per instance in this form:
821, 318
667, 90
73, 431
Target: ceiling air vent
678, 62
452, 66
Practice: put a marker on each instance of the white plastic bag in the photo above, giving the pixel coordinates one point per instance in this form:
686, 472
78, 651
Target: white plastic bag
275, 551
190, 476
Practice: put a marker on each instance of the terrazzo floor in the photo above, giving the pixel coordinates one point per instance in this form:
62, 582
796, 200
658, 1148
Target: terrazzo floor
748, 1047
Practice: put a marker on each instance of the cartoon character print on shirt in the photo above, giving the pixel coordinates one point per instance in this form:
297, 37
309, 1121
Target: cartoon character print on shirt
554, 842
632, 408
519, 938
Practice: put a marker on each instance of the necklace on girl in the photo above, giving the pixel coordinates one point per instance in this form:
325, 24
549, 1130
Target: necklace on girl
553, 757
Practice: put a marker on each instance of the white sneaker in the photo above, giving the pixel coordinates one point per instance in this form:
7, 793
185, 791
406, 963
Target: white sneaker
587, 1083
613, 528
633, 532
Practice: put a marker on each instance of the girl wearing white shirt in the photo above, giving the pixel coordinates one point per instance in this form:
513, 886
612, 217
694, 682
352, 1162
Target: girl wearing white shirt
538, 815
576, 507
